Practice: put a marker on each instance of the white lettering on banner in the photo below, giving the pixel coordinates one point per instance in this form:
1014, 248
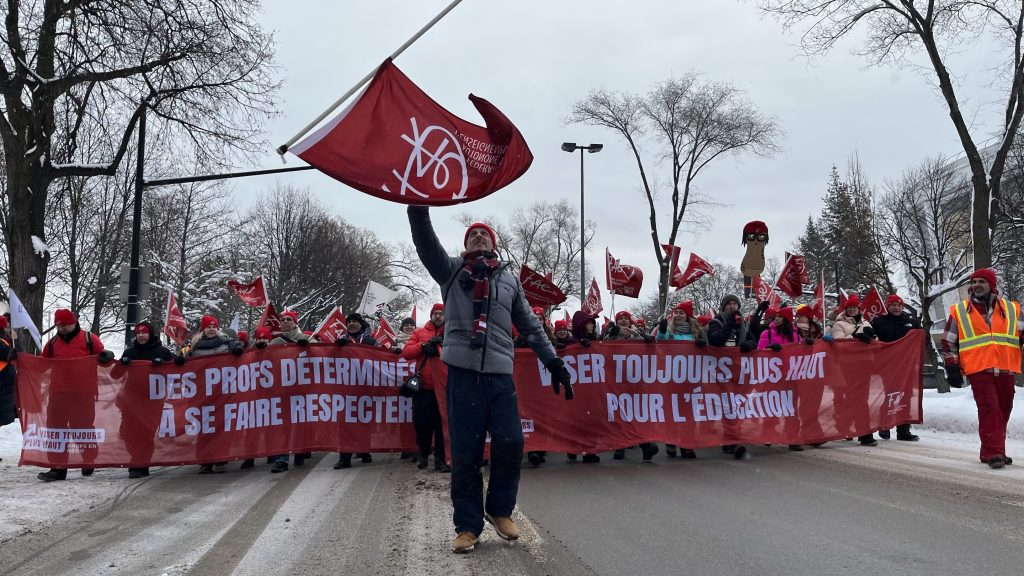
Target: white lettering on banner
636, 407
731, 406
436, 159
62, 440
172, 386
252, 414
306, 370
759, 369
244, 378
199, 420
350, 409
806, 366
672, 368
894, 403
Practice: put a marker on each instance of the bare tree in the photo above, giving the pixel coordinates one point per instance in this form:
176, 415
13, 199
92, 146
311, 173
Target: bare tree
895, 27
203, 66
690, 124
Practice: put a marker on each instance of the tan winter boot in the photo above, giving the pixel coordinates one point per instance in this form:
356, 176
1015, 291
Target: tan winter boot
504, 526
464, 542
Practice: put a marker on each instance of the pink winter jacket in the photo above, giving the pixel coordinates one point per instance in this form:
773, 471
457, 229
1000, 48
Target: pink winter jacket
771, 336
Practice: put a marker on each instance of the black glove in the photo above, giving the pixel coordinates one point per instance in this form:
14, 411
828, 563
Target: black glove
261, 345
302, 341
585, 342
157, 361
869, 331
809, 341
663, 325
560, 377
237, 348
559, 345
436, 340
865, 338
700, 343
341, 341
763, 306
776, 347
179, 360
648, 338
429, 348
614, 330
126, 360
12, 355
746, 346
396, 350
105, 356
954, 377
737, 320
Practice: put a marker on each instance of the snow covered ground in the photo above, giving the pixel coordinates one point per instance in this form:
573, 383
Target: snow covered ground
950, 420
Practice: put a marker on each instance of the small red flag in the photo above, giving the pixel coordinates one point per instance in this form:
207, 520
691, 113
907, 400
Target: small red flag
270, 319
175, 326
675, 278
394, 142
873, 305
385, 335
254, 293
413, 316
794, 275
592, 305
696, 269
539, 290
333, 326
819, 299
622, 279
763, 291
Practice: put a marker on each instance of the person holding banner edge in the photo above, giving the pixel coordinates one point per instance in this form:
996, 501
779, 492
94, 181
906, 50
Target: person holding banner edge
483, 300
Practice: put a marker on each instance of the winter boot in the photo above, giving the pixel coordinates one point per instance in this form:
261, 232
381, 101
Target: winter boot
739, 452
619, 454
247, 464
465, 542
344, 461
220, 467
279, 466
996, 462
365, 458
868, 440
903, 433
796, 448
53, 475
87, 472
571, 457
421, 461
206, 469
300, 459
884, 434
136, 473
649, 450
440, 465
687, 453
729, 448
670, 450
504, 526
591, 459
534, 459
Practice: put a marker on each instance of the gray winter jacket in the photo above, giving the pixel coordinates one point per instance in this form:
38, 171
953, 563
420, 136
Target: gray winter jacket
508, 307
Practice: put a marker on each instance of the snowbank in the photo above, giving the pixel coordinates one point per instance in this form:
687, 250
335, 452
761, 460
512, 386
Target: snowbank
956, 412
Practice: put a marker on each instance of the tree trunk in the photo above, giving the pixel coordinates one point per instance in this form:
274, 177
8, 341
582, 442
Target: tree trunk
26, 219
980, 224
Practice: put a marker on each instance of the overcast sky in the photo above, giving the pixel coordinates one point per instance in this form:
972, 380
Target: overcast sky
534, 59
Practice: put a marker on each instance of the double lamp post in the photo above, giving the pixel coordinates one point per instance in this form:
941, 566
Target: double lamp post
592, 148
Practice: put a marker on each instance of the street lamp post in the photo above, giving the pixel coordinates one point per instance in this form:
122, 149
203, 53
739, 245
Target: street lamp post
592, 148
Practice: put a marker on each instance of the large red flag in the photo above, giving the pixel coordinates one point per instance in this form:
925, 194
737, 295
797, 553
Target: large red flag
539, 290
385, 335
873, 305
270, 319
174, 321
763, 291
697, 268
333, 326
592, 305
254, 293
675, 278
396, 143
794, 275
622, 279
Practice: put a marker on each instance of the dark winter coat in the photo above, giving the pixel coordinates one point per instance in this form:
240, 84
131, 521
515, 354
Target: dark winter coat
363, 337
8, 410
507, 307
150, 350
890, 328
204, 346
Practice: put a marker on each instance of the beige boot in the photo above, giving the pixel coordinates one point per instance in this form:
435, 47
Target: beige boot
504, 526
464, 542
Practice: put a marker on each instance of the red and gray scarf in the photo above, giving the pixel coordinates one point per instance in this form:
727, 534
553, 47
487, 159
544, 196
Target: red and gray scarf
475, 278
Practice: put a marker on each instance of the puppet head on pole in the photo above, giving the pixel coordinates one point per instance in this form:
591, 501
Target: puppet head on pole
755, 237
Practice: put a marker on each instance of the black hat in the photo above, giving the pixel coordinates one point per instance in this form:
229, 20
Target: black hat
729, 298
408, 322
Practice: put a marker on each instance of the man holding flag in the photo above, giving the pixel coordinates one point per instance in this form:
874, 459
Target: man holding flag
482, 300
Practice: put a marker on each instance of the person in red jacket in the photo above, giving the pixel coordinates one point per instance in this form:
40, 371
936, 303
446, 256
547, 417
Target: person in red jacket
71, 403
423, 346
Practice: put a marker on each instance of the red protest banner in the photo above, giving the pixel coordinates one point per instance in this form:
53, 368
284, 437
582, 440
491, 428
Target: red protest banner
345, 398
396, 143
539, 289
254, 293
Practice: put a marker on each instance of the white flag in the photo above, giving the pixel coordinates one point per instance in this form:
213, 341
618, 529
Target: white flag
21, 319
234, 324
375, 298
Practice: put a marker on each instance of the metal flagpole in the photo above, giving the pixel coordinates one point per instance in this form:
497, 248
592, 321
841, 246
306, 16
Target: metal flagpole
284, 147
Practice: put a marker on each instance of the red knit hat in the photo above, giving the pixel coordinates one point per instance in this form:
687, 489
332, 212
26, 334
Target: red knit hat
436, 307
988, 275
143, 328
208, 321
786, 313
770, 313
851, 300
892, 299
64, 316
640, 322
686, 306
537, 311
623, 314
262, 333
805, 311
243, 337
3, 322
490, 232
291, 314
561, 325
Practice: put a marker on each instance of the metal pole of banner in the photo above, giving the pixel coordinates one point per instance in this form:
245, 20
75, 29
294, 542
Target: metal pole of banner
284, 147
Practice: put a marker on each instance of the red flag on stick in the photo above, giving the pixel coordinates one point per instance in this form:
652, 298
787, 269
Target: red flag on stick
539, 290
763, 291
675, 278
270, 319
254, 293
175, 326
592, 305
697, 268
396, 143
794, 275
873, 305
333, 326
622, 279
413, 316
385, 335
819, 299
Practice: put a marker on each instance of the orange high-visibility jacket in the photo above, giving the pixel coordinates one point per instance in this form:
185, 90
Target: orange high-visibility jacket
984, 347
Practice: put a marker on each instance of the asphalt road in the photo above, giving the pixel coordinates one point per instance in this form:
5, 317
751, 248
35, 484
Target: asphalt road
897, 509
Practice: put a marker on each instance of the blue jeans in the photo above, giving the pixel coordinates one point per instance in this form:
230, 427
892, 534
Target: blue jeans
477, 404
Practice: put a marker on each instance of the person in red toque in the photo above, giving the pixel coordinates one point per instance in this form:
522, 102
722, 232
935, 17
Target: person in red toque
423, 347
890, 327
72, 404
982, 341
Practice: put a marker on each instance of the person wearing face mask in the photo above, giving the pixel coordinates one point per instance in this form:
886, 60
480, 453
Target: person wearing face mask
890, 327
850, 323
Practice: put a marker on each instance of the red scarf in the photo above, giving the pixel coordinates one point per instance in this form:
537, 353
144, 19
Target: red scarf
475, 277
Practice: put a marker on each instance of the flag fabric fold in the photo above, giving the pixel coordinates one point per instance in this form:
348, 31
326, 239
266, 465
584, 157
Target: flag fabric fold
20, 318
695, 270
253, 294
539, 289
175, 326
621, 278
333, 326
592, 305
793, 276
